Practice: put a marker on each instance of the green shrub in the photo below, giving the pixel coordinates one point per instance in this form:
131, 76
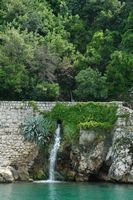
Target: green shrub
46, 91
37, 129
91, 85
95, 125
73, 116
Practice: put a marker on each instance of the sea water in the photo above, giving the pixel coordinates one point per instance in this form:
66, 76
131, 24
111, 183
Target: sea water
65, 191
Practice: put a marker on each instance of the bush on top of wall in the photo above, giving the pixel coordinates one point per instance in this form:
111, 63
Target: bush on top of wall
81, 115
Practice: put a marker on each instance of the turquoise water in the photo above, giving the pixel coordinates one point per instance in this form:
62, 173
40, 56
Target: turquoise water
65, 191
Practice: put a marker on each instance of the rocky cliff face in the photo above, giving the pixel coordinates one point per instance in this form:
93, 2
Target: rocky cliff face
101, 155
121, 152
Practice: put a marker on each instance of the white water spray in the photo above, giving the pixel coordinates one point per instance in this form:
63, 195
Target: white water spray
53, 154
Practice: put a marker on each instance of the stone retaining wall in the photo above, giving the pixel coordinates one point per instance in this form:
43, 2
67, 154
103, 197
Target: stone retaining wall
13, 149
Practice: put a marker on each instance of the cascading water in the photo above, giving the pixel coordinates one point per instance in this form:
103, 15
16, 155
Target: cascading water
53, 154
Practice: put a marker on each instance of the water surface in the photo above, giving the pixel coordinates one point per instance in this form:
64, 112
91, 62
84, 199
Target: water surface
65, 191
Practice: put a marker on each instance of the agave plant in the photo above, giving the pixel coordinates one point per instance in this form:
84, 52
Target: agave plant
36, 129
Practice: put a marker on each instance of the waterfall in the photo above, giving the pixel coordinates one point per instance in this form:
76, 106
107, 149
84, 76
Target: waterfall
53, 153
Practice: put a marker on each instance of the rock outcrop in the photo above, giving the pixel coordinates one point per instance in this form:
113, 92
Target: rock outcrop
9, 174
90, 154
6, 175
102, 155
121, 155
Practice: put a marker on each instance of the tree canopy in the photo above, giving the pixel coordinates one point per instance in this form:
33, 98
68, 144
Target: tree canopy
65, 49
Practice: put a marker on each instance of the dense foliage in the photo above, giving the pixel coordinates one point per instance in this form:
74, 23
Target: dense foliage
83, 115
66, 49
